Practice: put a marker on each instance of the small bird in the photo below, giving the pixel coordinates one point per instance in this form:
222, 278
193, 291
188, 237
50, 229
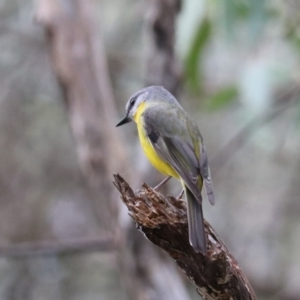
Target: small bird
173, 144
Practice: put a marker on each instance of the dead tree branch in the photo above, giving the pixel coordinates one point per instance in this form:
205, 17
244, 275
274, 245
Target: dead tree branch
163, 220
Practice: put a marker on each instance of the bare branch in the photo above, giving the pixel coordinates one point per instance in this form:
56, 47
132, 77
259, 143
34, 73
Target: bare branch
163, 220
58, 247
240, 139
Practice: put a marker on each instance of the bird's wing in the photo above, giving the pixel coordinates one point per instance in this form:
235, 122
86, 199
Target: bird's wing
170, 139
205, 173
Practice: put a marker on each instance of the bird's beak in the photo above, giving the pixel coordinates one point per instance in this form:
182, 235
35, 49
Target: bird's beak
123, 121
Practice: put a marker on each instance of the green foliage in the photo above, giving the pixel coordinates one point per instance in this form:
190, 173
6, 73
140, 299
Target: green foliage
257, 18
193, 61
292, 30
254, 12
222, 98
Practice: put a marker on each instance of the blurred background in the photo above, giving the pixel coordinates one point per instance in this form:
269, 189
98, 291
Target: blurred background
238, 64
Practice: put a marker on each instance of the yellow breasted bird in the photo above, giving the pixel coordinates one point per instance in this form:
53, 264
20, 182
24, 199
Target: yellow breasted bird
172, 142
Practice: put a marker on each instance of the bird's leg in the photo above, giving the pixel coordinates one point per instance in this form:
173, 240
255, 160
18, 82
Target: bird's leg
180, 195
157, 188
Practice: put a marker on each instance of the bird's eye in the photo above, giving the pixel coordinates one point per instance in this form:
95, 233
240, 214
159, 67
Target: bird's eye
132, 101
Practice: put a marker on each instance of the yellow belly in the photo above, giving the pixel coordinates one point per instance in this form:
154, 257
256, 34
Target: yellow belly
151, 154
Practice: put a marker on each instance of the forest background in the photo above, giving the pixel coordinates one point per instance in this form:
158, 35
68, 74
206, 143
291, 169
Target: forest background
237, 64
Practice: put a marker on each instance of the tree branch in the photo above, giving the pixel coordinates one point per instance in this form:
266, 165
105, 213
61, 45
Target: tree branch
163, 220
286, 101
71, 246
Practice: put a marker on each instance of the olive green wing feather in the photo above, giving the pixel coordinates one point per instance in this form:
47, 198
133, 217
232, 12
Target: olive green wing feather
180, 156
170, 138
169, 135
175, 138
205, 172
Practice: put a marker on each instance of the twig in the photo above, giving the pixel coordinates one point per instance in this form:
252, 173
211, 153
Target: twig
58, 248
163, 220
243, 136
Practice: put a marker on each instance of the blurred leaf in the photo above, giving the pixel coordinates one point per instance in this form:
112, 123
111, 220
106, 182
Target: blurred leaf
242, 9
229, 17
234, 10
291, 33
192, 68
223, 98
257, 18
253, 11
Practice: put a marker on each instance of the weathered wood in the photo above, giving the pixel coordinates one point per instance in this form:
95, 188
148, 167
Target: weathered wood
163, 220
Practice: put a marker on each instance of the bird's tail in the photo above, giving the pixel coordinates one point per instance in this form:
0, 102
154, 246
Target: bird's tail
196, 225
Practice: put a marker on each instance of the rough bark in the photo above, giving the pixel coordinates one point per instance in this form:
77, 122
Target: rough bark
163, 220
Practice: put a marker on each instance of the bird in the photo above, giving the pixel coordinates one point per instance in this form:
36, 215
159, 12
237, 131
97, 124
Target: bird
173, 144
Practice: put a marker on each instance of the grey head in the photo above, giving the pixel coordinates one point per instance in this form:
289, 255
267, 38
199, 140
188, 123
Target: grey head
149, 94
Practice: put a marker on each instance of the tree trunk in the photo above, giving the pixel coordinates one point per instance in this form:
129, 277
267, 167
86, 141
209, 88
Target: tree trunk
80, 66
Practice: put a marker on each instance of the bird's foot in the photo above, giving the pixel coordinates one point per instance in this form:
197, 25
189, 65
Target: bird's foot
158, 187
180, 195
